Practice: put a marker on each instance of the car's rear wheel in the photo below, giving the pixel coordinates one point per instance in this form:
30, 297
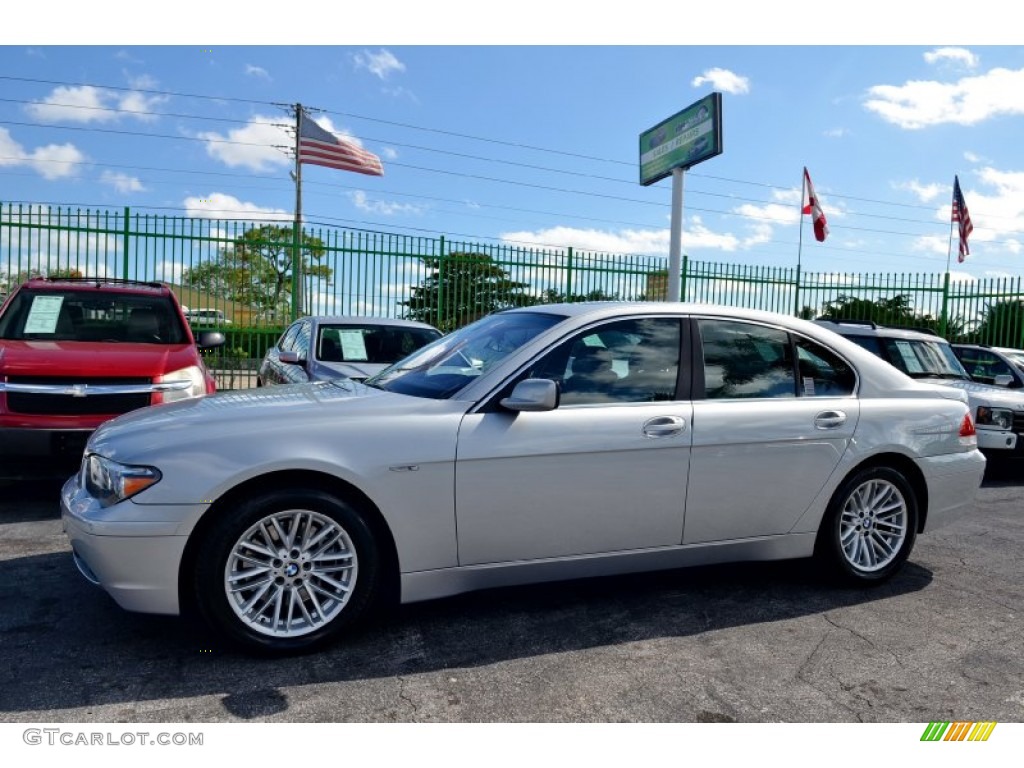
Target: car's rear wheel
286, 571
869, 528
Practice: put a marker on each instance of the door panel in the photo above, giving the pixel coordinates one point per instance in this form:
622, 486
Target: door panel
576, 480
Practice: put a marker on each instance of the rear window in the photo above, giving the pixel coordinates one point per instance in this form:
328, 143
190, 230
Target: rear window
91, 316
380, 344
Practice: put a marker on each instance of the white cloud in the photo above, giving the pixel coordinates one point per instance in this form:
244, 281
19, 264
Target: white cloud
122, 182
255, 71
383, 207
723, 80
920, 103
54, 161
955, 55
931, 244
924, 192
254, 146
389, 153
971, 157
639, 241
837, 133
382, 63
89, 104
218, 205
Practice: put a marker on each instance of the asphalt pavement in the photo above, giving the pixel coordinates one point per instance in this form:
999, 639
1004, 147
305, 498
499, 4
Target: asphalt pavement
747, 643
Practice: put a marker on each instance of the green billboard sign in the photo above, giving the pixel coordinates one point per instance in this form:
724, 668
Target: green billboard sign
683, 140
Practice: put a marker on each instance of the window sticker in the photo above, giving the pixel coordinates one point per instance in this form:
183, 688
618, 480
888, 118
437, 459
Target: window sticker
43, 314
809, 386
353, 345
906, 350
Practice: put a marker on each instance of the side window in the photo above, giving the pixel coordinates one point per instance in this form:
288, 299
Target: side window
628, 361
744, 360
822, 372
287, 342
302, 340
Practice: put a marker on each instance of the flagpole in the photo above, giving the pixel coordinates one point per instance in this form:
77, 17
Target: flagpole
297, 293
800, 244
949, 248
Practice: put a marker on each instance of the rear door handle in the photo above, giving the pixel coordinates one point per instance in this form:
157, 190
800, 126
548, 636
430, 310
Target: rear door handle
829, 419
664, 426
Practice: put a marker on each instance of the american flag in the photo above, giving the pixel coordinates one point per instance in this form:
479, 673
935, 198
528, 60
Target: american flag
320, 147
961, 215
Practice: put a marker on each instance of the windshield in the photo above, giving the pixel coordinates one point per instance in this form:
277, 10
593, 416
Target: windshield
441, 369
924, 359
92, 316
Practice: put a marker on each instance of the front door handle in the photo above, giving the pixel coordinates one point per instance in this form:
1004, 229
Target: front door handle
664, 426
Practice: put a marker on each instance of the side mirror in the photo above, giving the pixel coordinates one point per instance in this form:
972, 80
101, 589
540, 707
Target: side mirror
533, 395
1003, 380
290, 357
210, 339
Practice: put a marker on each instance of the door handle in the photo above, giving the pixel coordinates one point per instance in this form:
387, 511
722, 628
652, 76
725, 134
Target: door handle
829, 419
664, 426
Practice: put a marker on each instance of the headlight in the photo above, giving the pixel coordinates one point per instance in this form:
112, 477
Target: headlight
196, 384
1000, 418
110, 482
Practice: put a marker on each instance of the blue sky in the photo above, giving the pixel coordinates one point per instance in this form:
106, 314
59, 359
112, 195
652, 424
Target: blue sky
538, 144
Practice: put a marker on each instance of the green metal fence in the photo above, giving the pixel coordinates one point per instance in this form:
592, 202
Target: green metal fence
246, 269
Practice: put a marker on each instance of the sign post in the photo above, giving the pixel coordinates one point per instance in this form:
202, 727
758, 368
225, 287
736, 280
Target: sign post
670, 148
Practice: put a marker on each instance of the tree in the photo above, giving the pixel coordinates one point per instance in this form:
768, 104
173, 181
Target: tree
256, 269
897, 311
551, 296
461, 288
1002, 323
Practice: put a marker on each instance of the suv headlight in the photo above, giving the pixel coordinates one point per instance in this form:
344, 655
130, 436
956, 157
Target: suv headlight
196, 384
109, 481
1000, 418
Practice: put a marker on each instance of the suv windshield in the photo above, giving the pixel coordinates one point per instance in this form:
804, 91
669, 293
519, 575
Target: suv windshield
371, 343
91, 316
441, 369
918, 358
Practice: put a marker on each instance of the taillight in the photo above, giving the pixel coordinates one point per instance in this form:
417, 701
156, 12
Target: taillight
967, 427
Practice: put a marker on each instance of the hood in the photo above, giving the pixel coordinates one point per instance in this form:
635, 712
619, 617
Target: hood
277, 415
92, 359
986, 393
357, 371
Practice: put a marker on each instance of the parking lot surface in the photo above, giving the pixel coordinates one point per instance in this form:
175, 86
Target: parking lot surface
750, 643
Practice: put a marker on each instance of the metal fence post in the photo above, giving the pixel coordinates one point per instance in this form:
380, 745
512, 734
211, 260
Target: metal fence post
944, 317
682, 278
568, 274
440, 285
124, 244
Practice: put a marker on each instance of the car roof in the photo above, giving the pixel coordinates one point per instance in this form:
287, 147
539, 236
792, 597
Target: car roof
99, 284
864, 328
358, 320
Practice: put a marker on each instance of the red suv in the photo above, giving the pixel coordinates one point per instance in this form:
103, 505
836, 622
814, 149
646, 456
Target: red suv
75, 352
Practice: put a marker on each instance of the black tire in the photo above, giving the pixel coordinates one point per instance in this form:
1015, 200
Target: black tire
869, 528
314, 567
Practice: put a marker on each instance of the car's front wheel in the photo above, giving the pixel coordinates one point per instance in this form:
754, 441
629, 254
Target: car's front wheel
286, 571
870, 525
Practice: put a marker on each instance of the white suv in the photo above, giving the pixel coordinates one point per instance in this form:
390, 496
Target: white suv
998, 412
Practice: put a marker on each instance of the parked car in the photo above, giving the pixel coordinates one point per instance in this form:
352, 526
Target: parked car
997, 412
997, 366
320, 348
214, 318
536, 444
77, 352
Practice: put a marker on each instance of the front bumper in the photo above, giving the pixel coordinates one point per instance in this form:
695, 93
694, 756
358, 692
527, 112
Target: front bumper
21, 443
134, 552
999, 440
